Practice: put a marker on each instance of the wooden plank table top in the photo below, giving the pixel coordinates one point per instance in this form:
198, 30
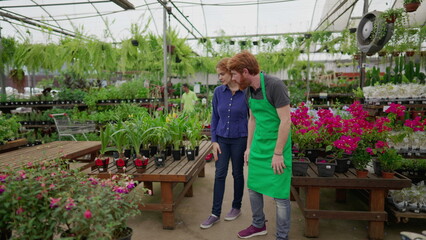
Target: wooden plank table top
13, 144
49, 151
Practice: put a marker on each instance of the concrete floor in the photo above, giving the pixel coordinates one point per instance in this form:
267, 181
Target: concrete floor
192, 211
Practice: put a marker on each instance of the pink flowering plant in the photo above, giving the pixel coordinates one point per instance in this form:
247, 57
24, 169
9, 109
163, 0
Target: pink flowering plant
304, 132
41, 201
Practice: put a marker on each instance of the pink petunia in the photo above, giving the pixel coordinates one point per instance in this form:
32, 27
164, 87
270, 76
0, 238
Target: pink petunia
2, 188
19, 211
3, 177
69, 204
88, 214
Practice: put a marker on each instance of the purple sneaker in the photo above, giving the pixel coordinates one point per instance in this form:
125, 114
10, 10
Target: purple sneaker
233, 214
252, 231
209, 222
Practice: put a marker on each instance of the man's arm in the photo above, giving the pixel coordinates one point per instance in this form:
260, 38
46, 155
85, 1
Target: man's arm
251, 126
283, 132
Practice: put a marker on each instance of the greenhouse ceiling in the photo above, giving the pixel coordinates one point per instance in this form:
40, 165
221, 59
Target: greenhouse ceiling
111, 20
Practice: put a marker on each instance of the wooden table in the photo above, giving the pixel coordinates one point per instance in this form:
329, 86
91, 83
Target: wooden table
50, 151
174, 172
376, 186
8, 146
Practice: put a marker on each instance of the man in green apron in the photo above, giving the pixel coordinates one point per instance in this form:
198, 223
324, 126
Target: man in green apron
268, 152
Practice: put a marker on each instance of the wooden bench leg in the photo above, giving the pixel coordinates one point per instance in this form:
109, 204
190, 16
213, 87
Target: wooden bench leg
167, 198
189, 193
340, 195
202, 173
291, 194
377, 203
149, 186
312, 202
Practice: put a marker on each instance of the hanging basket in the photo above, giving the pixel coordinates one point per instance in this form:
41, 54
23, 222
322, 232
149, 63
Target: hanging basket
411, 7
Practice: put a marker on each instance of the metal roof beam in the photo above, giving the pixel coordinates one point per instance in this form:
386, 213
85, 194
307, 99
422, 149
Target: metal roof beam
126, 5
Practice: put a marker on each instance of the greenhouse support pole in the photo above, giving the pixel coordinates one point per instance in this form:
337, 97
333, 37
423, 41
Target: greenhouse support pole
363, 57
2, 77
166, 105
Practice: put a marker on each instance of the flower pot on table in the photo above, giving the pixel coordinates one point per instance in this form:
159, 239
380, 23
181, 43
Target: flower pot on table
102, 164
300, 166
140, 164
388, 175
326, 167
361, 173
121, 164
342, 165
176, 155
190, 154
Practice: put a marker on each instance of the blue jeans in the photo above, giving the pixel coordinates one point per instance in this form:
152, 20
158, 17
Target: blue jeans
232, 148
283, 214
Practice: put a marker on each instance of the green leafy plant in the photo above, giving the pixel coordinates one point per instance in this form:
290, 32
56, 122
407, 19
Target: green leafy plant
390, 160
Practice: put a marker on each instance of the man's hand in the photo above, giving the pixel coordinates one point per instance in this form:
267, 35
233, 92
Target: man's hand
216, 150
278, 164
246, 156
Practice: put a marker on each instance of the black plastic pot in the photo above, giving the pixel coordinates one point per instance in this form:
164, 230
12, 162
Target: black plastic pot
300, 166
197, 150
176, 155
377, 166
190, 154
325, 169
153, 150
342, 165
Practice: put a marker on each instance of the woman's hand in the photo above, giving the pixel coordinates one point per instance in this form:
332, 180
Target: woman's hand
216, 150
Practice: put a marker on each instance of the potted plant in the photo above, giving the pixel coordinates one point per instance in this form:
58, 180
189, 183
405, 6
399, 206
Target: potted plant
120, 142
392, 14
18, 77
101, 161
160, 137
344, 145
360, 159
137, 132
176, 126
389, 160
411, 5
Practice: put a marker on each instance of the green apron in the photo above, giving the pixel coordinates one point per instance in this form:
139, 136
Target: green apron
261, 177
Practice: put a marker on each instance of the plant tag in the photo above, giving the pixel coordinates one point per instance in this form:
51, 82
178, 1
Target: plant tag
423, 102
418, 154
399, 102
328, 167
348, 162
409, 153
189, 152
101, 169
323, 95
417, 211
385, 108
411, 102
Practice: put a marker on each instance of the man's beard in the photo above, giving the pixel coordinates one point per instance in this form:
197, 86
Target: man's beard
244, 83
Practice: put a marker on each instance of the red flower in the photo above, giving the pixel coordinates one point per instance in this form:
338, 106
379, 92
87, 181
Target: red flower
138, 162
120, 162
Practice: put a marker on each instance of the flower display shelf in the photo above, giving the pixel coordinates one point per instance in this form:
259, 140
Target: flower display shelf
387, 101
403, 216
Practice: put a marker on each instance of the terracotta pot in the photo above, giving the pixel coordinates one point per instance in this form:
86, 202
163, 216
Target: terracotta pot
409, 53
361, 173
411, 7
391, 19
388, 174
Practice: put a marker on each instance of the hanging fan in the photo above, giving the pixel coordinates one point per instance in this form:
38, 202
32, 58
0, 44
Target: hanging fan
373, 32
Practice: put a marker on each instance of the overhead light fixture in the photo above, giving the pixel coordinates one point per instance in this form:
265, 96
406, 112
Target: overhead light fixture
126, 5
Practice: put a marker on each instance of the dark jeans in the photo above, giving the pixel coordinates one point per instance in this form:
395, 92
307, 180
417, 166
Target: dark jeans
232, 148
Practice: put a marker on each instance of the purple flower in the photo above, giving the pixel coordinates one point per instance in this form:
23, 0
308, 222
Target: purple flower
2, 188
70, 204
120, 190
130, 184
